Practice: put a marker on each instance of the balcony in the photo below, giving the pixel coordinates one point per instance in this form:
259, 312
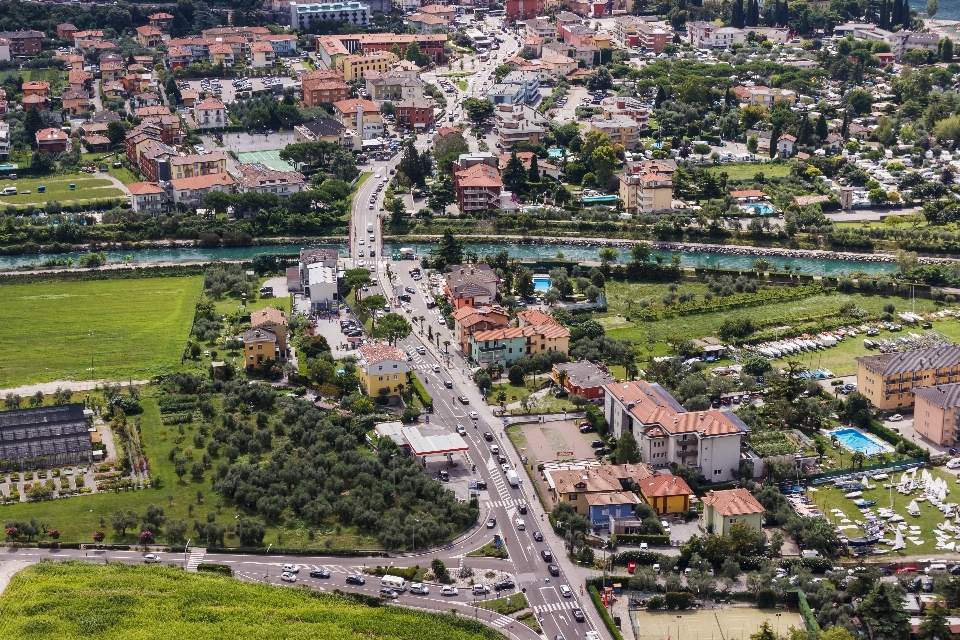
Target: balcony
686, 454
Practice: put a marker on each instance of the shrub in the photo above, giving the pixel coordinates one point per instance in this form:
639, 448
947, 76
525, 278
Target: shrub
215, 568
99, 536
766, 599
679, 600
656, 602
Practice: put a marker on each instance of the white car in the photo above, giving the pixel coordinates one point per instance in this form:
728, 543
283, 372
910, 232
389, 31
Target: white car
436, 368
565, 591
896, 417
420, 589
954, 464
152, 558
449, 591
291, 568
463, 433
474, 415
288, 577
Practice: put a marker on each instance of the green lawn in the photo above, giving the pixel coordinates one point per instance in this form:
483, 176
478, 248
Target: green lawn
76, 600
122, 174
462, 84
827, 498
546, 404
505, 606
58, 188
746, 170
139, 328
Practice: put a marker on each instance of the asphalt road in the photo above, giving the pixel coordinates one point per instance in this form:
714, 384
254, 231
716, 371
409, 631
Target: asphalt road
500, 499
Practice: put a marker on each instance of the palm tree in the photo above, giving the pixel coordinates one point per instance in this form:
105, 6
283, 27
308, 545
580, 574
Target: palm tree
446, 346
857, 459
561, 377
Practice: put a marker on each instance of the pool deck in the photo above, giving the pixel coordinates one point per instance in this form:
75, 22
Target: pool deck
884, 447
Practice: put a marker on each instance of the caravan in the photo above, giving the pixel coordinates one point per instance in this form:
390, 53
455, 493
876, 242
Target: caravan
396, 583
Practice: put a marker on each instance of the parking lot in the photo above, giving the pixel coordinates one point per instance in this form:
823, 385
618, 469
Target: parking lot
228, 91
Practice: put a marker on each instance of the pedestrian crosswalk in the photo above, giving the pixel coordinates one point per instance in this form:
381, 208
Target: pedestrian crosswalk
508, 503
502, 621
566, 605
195, 559
497, 476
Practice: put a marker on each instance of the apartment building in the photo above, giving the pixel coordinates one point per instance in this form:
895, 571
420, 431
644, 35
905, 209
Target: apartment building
478, 188
198, 164
508, 94
653, 37
415, 113
707, 35
621, 129
24, 43
351, 12
393, 85
161, 21
210, 113
647, 187
523, 9
358, 67
259, 178
191, 192
317, 130
469, 320
936, 413
505, 346
529, 81
426, 22
261, 55
147, 197
627, 107
599, 492
318, 92
518, 123
669, 434
382, 366
149, 36
539, 28
577, 35
888, 380
362, 116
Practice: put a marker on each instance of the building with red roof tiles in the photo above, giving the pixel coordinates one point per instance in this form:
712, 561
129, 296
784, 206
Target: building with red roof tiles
51, 141
723, 509
65, 31
149, 36
147, 197
666, 493
478, 188
381, 366
669, 434
161, 21
190, 192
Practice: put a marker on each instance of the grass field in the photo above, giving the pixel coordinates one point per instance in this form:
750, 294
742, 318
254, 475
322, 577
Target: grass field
58, 188
828, 498
737, 624
139, 328
76, 600
746, 170
271, 158
122, 174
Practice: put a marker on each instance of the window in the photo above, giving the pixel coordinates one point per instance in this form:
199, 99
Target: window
259, 347
733, 520
717, 472
573, 497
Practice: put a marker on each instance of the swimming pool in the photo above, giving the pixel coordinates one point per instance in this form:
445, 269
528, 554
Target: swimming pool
856, 440
541, 283
760, 209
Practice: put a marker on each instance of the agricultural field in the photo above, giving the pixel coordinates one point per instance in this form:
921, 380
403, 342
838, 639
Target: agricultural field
828, 498
76, 600
137, 328
58, 188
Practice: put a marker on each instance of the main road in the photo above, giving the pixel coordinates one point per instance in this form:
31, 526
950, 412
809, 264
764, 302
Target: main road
446, 377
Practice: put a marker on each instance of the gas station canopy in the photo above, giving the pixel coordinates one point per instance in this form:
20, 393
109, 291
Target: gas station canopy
422, 445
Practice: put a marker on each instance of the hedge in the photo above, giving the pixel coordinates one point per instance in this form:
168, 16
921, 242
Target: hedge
808, 617
604, 615
215, 568
816, 565
359, 598
256, 551
420, 391
407, 573
633, 538
647, 558
895, 438
679, 600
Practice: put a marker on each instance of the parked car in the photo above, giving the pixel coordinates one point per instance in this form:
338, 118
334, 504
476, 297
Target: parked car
503, 585
896, 417
319, 573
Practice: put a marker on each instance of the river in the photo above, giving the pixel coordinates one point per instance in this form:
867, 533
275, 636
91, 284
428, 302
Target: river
146, 257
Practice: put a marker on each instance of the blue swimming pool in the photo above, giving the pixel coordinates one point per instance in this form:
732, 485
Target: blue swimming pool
541, 283
555, 153
760, 209
856, 440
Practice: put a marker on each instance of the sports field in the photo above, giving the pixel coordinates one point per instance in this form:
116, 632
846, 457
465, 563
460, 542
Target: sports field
137, 328
270, 158
712, 624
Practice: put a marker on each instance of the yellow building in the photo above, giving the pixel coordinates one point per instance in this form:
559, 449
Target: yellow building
357, 67
647, 188
259, 345
382, 367
621, 129
888, 379
722, 509
273, 320
665, 493
602, 40
937, 412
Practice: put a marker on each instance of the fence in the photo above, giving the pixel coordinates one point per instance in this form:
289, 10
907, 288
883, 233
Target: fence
895, 465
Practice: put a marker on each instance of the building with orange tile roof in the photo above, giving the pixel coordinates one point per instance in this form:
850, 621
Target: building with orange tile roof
669, 434
506, 345
468, 320
666, 493
362, 116
147, 197
381, 366
51, 140
276, 321
161, 21
190, 192
606, 486
149, 36
723, 509
261, 55
36, 87
478, 188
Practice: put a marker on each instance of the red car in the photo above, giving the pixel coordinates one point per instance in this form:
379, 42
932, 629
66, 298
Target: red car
907, 570
631, 567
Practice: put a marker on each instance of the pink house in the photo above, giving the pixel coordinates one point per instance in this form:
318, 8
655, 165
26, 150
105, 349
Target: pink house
577, 35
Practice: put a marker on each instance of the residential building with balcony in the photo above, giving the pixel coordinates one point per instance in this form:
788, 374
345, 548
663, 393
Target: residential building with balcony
393, 86
427, 23
24, 43
653, 37
259, 345
529, 80
936, 413
147, 197
4, 140
581, 488
198, 164
547, 170
621, 129
259, 178
577, 35
317, 92
283, 44
65, 31
52, 141
628, 107
888, 380
191, 192
317, 130
415, 113
470, 285
508, 94
162, 21
382, 366
647, 187
669, 434
362, 116
351, 12
523, 9
723, 509
478, 188
707, 35
356, 67
149, 36
539, 28
210, 113
505, 346
518, 123
261, 55
469, 320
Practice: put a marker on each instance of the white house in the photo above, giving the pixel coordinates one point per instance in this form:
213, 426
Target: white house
210, 113
321, 285
667, 433
785, 145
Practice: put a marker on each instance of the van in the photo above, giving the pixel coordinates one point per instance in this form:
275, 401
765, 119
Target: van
937, 566
520, 525
656, 568
396, 583
9, 191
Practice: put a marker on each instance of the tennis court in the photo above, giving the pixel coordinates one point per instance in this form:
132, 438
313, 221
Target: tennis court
711, 624
269, 158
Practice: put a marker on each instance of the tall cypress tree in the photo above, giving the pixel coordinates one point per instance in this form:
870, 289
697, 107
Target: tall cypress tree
822, 128
753, 13
736, 14
804, 130
774, 139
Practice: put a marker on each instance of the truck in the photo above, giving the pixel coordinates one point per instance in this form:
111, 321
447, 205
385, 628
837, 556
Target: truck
369, 227
513, 478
